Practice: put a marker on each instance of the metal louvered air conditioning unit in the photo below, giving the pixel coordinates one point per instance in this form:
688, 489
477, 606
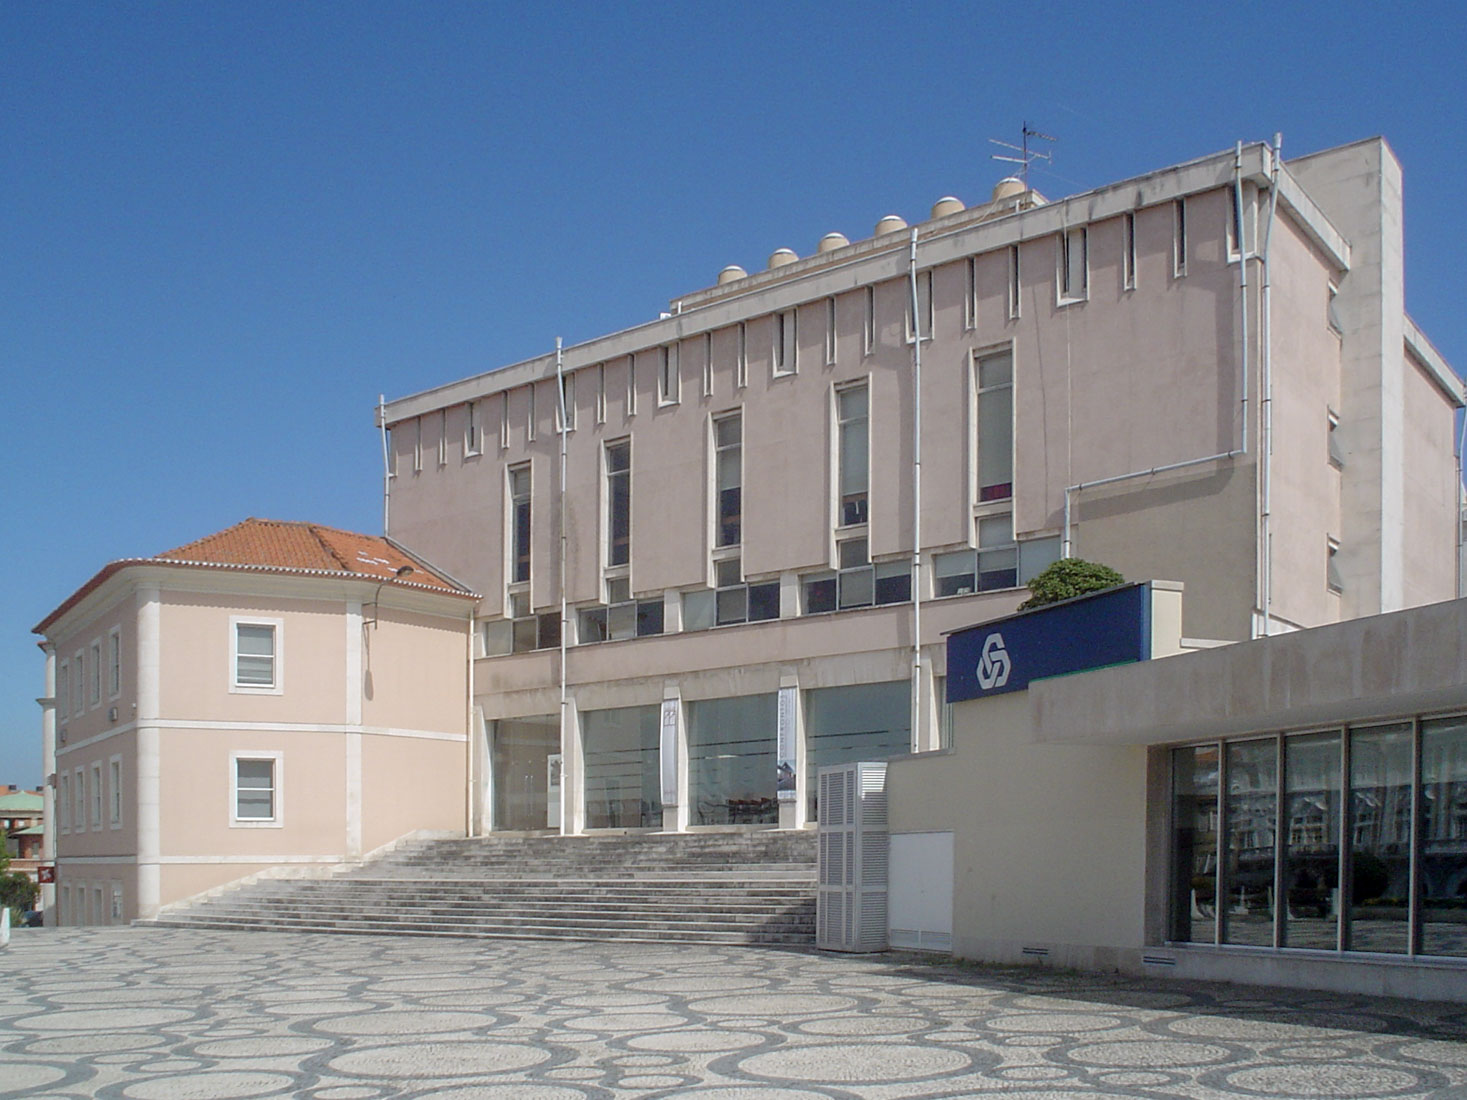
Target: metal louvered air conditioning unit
850, 910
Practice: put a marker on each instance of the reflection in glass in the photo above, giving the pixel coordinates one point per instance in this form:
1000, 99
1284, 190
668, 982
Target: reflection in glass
623, 776
1194, 844
1252, 810
847, 725
1380, 839
520, 750
1312, 809
731, 760
1444, 836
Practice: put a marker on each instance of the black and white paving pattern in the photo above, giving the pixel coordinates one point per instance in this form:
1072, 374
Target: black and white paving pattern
155, 1014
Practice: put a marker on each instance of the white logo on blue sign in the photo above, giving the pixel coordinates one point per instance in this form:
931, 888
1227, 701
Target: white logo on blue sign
994, 668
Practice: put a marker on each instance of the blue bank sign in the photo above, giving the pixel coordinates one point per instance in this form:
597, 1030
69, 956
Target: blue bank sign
1109, 628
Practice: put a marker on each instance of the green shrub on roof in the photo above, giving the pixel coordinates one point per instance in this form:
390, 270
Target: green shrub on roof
1068, 578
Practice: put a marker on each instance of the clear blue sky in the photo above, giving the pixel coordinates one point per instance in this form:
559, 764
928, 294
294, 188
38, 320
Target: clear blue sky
225, 228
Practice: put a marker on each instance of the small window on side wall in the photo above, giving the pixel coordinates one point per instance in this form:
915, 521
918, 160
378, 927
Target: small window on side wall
256, 656
256, 789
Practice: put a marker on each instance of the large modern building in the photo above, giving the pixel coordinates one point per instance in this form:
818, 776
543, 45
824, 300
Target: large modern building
721, 549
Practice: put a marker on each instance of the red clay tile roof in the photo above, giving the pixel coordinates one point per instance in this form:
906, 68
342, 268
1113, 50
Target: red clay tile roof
281, 546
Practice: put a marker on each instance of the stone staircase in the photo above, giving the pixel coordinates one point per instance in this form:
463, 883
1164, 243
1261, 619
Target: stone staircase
723, 888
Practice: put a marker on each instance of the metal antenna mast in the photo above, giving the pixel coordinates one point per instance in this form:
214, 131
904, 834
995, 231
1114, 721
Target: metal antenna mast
1026, 155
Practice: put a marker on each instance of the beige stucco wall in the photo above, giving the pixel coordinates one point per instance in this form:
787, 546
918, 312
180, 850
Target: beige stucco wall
411, 784
414, 670
1048, 840
1429, 491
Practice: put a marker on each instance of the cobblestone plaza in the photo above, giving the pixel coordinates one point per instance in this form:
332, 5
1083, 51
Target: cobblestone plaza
144, 1014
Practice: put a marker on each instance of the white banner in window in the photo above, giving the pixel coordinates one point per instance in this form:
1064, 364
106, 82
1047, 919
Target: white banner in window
784, 783
668, 751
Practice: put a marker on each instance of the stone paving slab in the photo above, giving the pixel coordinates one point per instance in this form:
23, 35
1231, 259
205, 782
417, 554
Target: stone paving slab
150, 1014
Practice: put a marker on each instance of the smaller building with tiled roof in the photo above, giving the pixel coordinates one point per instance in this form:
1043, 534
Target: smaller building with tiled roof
272, 695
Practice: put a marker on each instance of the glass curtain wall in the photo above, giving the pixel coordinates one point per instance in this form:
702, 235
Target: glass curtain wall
846, 725
731, 760
520, 751
1359, 843
623, 777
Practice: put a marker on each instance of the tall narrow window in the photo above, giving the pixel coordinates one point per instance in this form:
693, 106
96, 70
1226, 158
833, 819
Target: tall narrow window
830, 348
669, 384
601, 393
443, 437
631, 385
96, 796
922, 326
63, 692
1074, 268
473, 430
504, 421
786, 345
728, 446
1013, 281
1128, 253
114, 664
530, 416
78, 683
418, 445
254, 790
970, 296
619, 502
114, 788
741, 363
868, 322
852, 411
1179, 237
519, 508
708, 364
1237, 225
94, 662
565, 415
995, 427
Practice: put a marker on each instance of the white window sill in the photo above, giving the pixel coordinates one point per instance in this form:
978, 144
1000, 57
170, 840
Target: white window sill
238, 823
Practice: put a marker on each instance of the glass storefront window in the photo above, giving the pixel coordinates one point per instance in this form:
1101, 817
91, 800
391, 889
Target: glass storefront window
1312, 810
1380, 839
731, 760
846, 725
1252, 813
520, 752
1443, 857
623, 780
1194, 844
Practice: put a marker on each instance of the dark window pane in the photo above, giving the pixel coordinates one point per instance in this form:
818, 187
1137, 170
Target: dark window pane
763, 602
593, 625
524, 635
730, 516
550, 630
997, 492
1194, 844
649, 617
819, 595
1443, 836
853, 510
1311, 850
1380, 839
522, 540
990, 579
894, 589
1252, 807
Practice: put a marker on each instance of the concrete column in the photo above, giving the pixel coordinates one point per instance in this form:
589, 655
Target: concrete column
573, 774
794, 813
48, 771
928, 736
149, 764
675, 815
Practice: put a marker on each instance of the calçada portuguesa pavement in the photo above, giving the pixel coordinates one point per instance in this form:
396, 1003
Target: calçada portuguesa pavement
150, 1013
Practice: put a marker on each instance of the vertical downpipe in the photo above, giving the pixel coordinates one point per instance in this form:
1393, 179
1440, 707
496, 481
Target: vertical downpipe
1243, 327
1265, 411
918, 742
564, 427
386, 462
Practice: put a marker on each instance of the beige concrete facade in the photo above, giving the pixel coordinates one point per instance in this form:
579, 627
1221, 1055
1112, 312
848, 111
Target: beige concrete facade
1220, 402
358, 739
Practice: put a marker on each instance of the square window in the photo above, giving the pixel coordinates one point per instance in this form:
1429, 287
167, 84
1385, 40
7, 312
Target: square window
698, 609
763, 602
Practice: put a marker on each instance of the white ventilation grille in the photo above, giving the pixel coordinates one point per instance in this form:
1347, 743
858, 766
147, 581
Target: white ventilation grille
851, 906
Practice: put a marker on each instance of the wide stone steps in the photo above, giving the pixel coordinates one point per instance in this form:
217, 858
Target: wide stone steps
755, 888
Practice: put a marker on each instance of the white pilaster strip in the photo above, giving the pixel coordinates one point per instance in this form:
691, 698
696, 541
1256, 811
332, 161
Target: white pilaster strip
149, 765
354, 629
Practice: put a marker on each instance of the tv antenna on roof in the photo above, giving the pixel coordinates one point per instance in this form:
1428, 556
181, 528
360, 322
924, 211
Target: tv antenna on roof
1026, 155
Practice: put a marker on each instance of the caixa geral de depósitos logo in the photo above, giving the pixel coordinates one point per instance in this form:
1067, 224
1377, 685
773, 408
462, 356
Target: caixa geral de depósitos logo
994, 667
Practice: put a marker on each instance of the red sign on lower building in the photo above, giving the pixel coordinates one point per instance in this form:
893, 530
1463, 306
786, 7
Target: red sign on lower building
46, 874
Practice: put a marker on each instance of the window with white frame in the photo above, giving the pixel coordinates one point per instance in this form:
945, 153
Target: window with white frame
786, 343
473, 429
255, 788
1240, 224
565, 412
418, 445
1334, 579
994, 378
708, 364
728, 474
1074, 267
78, 800
1179, 237
530, 415
97, 796
868, 320
970, 296
741, 360
255, 655
504, 421
94, 670
1128, 252
63, 692
114, 662
735, 601
391, 454
114, 791
853, 453
631, 385
830, 338
924, 308
519, 523
63, 802
523, 630
443, 437
601, 393
621, 616
78, 683
1336, 451
1014, 299
618, 472
856, 582
999, 561
669, 380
